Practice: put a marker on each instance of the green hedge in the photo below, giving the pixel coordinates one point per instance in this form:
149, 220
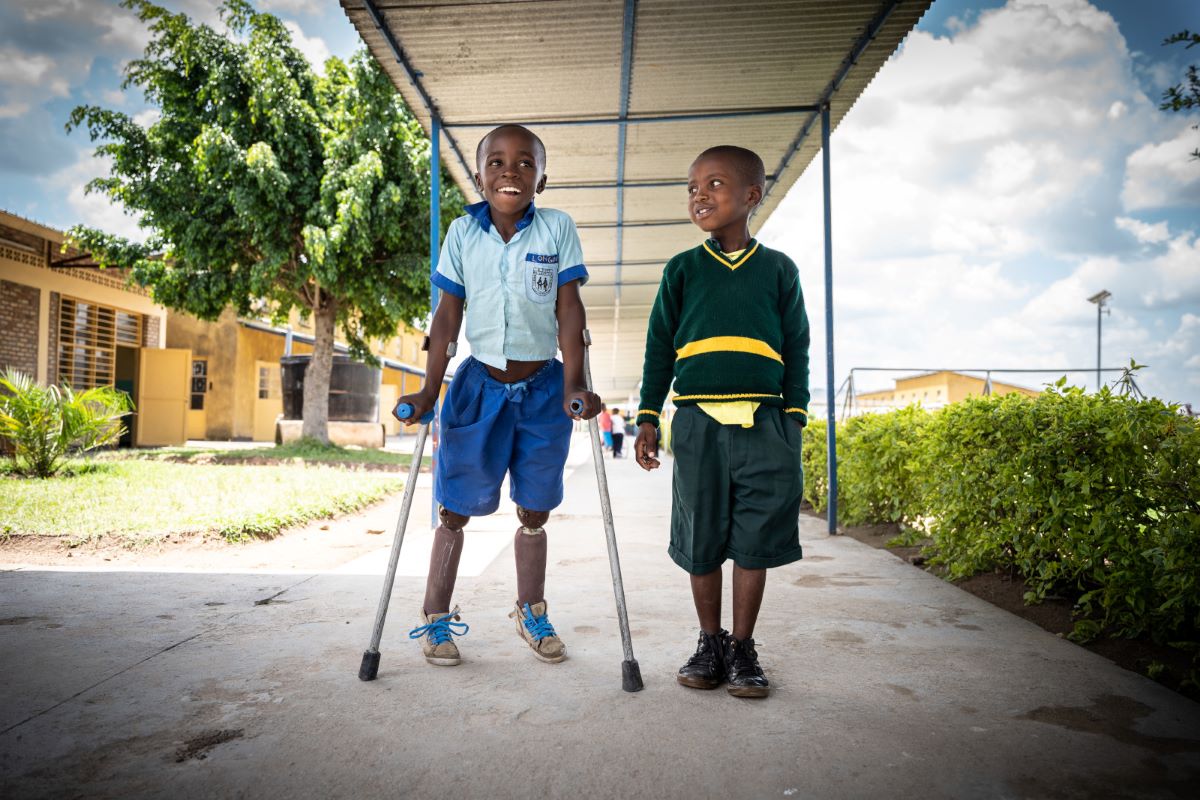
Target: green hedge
1092, 495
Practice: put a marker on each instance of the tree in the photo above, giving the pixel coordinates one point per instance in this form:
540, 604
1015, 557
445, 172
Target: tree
1185, 95
267, 187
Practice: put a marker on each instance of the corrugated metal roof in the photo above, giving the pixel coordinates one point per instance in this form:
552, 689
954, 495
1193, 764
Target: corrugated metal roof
480, 64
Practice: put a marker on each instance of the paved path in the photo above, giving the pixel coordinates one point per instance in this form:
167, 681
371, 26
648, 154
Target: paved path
888, 683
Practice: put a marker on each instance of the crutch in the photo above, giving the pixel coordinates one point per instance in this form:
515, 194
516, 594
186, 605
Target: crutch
370, 660
631, 673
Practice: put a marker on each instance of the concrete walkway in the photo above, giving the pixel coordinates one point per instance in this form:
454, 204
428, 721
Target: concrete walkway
888, 683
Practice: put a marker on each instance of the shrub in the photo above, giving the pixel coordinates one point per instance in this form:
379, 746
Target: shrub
882, 478
814, 461
1095, 496
44, 424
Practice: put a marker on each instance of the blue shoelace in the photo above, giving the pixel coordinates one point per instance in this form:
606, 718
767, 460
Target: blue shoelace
539, 627
441, 630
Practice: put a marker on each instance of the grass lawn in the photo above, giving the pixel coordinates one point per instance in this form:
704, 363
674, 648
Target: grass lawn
309, 452
140, 501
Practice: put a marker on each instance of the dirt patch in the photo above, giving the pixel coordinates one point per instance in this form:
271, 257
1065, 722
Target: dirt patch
1054, 614
199, 746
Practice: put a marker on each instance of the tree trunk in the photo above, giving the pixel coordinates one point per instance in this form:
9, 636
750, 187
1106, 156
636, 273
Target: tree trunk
316, 377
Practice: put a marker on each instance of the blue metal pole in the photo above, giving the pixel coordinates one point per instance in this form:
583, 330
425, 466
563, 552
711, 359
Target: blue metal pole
435, 231
831, 422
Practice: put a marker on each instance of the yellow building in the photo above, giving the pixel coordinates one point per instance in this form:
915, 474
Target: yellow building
64, 320
934, 390
235, 386
67, 321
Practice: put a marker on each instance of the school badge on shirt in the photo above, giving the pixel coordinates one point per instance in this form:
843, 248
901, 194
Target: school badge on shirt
541, 276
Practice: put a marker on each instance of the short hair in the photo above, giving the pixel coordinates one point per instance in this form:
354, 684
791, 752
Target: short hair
539, 149
746, 163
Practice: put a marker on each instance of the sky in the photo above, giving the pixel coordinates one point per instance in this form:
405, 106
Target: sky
1008, 162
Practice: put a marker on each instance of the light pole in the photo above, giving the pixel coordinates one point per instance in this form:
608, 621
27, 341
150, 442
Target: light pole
1101, 301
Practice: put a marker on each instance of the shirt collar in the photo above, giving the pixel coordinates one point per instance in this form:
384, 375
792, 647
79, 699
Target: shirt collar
715, 245
482, 214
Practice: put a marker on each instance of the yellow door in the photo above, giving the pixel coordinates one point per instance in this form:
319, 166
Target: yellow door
268, 400
163, 395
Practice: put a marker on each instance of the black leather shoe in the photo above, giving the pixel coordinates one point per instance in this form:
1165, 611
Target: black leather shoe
706, 668
744, 675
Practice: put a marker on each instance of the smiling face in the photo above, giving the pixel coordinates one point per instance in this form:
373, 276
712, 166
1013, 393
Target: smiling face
720, 198
512, 169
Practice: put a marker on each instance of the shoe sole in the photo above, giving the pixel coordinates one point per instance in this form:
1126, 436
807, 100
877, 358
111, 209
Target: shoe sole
697, 683
548, 659
443, 662
749, 691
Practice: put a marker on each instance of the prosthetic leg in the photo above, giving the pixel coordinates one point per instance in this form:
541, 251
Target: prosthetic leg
631, 673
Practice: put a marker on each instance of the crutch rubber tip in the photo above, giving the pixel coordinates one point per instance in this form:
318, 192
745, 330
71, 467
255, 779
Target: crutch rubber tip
576, 406
631, 676
370, 666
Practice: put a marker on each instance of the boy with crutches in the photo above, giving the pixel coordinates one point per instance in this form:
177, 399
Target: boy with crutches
514, 272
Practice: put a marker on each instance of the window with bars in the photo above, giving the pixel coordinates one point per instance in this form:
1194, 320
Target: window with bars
88, 335
199, 383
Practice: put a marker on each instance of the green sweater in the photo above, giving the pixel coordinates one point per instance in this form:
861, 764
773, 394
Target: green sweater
727, 331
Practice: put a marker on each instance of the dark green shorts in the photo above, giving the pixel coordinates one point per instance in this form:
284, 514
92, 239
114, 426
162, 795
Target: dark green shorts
736, 492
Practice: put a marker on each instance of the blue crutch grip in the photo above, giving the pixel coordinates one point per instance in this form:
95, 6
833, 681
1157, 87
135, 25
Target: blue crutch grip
576, 406
404, 411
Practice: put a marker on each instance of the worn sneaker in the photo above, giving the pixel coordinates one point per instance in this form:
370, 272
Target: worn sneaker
744, 675
436, 635
706, 668
538, 633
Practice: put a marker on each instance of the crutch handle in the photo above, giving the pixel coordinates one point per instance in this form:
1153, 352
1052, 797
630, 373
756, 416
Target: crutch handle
576, 406
405, 411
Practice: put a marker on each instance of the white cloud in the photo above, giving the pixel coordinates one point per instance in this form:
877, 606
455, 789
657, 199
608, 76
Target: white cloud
977, 203
313, 47
1145, 232
1164, 174
95, 210
291, 6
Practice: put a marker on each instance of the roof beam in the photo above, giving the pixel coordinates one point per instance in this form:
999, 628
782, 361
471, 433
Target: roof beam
627, 30
868, 36
657, 223
373, 10
643, 184
657, 118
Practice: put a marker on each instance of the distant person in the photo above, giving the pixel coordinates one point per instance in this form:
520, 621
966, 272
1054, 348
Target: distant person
729, 327
606, 427
618, 432
508, 409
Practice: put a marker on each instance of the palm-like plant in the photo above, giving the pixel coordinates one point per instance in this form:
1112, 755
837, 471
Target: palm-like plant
44, 424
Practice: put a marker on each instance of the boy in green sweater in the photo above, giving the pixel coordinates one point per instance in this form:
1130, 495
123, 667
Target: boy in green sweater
729, 326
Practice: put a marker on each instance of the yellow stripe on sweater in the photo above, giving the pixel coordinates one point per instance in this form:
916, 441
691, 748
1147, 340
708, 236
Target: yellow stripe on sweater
728, 344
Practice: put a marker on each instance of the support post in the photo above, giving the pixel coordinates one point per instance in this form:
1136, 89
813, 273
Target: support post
830, 411
435, 227
1099, 317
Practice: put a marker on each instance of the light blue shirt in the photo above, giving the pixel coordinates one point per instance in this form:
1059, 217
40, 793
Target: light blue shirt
510, 287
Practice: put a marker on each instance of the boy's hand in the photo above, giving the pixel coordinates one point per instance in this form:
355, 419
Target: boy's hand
590, 402
646, 447
421, 403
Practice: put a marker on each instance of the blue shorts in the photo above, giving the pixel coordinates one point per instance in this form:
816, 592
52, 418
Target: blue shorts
491, 428
608, 438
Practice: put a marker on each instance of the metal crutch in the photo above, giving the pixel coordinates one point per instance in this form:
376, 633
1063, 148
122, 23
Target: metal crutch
631, 673
370, 660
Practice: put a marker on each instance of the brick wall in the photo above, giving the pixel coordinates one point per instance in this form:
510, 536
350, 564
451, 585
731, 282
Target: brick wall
18, 327
150, 330
52, 349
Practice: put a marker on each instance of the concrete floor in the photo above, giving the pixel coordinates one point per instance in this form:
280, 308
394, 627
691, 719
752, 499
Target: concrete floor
888, 683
